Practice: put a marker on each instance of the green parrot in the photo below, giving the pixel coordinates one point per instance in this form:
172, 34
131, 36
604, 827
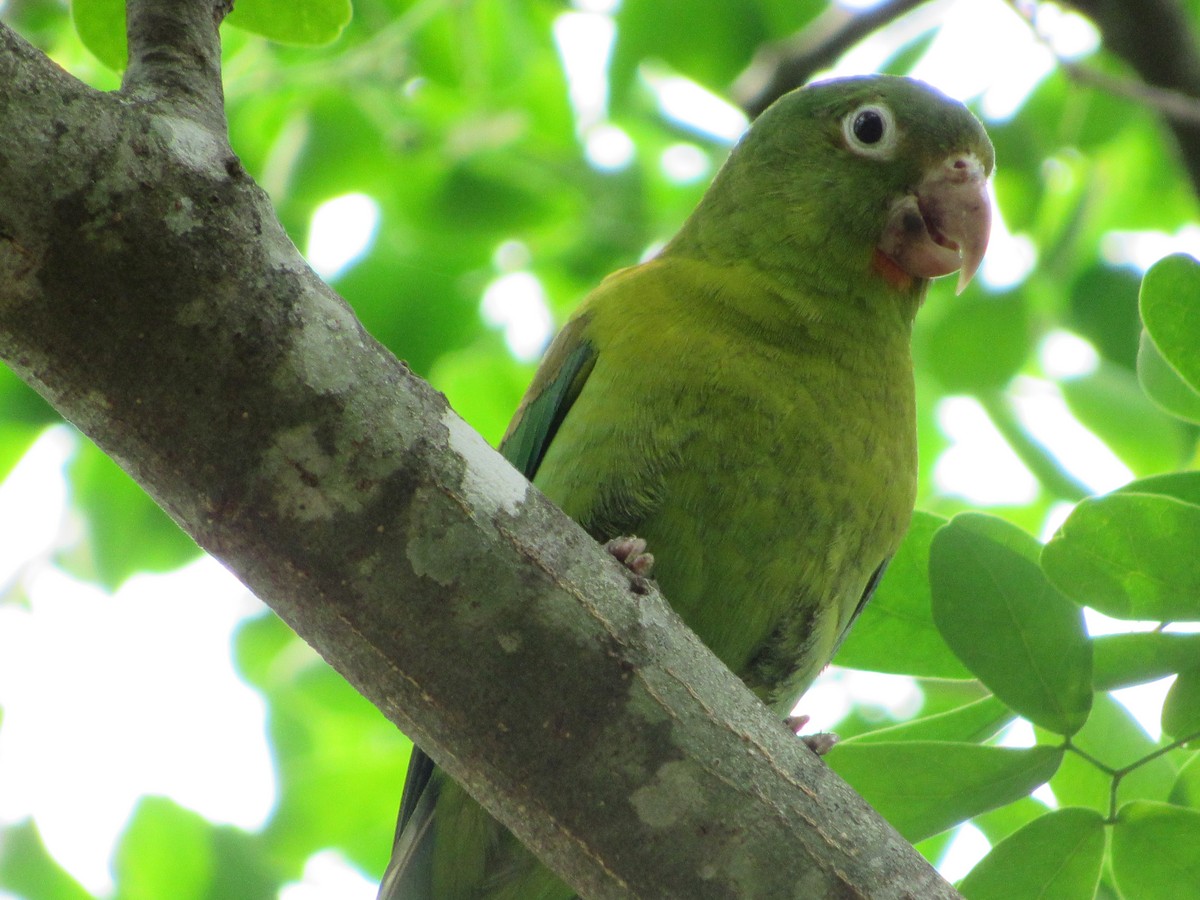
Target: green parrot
743, 402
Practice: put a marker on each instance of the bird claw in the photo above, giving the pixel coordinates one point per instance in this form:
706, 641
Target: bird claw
820, 743
631, 553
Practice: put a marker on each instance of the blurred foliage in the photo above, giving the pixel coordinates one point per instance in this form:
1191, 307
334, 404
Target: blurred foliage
457, 121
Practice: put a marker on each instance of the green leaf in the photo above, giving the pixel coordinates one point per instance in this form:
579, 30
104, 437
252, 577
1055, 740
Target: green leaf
979, 344
1181, 709
709, 41
1170, 306
101, 26
896, 632
998, 612
28, 870
1113, 737
1104, 309
308, 22
101, 23
484, 384
1156, 851
243, 866
1121, 660
1183, 486
339, 762
169, 851
127, 531
1113, 406
1057, 855
164, 852
941, 784
1130, 556
23, 416
972, 722
1164, 385
999, 823
1186, 790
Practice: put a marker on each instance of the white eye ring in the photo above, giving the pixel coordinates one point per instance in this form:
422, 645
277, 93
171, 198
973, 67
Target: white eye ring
870, 130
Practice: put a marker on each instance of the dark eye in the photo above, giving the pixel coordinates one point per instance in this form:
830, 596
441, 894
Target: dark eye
868, 126
870, 130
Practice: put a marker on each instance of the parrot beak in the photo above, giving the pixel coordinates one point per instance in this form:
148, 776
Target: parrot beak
943, 226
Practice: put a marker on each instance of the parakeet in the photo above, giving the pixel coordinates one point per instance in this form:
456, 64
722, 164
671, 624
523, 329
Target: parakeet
744, 403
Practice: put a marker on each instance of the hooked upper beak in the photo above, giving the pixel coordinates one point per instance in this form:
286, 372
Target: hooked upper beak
943, 226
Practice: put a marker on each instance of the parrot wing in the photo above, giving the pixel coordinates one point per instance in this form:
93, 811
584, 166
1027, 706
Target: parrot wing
867, 594
559, 380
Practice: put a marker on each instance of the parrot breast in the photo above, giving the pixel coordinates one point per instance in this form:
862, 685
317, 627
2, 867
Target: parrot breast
770, 478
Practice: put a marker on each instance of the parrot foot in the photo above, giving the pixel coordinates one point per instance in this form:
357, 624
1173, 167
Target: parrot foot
820, 743
631, 553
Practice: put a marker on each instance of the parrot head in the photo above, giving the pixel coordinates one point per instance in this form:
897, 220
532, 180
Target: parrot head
870, 177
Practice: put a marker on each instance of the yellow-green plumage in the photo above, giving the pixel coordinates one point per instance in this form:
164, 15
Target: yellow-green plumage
700, 430
744, 403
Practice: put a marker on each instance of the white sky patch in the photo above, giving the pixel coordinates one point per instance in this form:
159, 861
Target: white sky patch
982, 48
608, 148
585, 41
1055, 516
607, 7
981, 44
110, 698
1064, 355
683, 101
1070, 35
966, 848
1044, 794
328, 876
1044, 413
837, 690
1010, 257
979, 466
871, 54
1145, 703
341, 231
1019, 733
1099, 624
516, 303
1142, 249
511, 256
685, 163
34, 498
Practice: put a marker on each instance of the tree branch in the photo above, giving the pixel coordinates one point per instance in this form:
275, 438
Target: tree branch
175, 56
1156, 38
781, 67
149, 293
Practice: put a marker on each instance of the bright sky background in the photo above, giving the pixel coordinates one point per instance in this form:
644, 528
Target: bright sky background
108, 698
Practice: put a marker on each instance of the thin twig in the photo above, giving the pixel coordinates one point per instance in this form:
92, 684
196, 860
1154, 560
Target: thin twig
1171, 103
1157, 38
778, 68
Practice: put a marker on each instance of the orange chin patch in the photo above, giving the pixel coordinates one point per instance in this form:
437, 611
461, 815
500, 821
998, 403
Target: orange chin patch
891, 272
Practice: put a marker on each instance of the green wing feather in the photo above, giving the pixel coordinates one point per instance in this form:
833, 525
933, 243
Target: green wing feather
560, 378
